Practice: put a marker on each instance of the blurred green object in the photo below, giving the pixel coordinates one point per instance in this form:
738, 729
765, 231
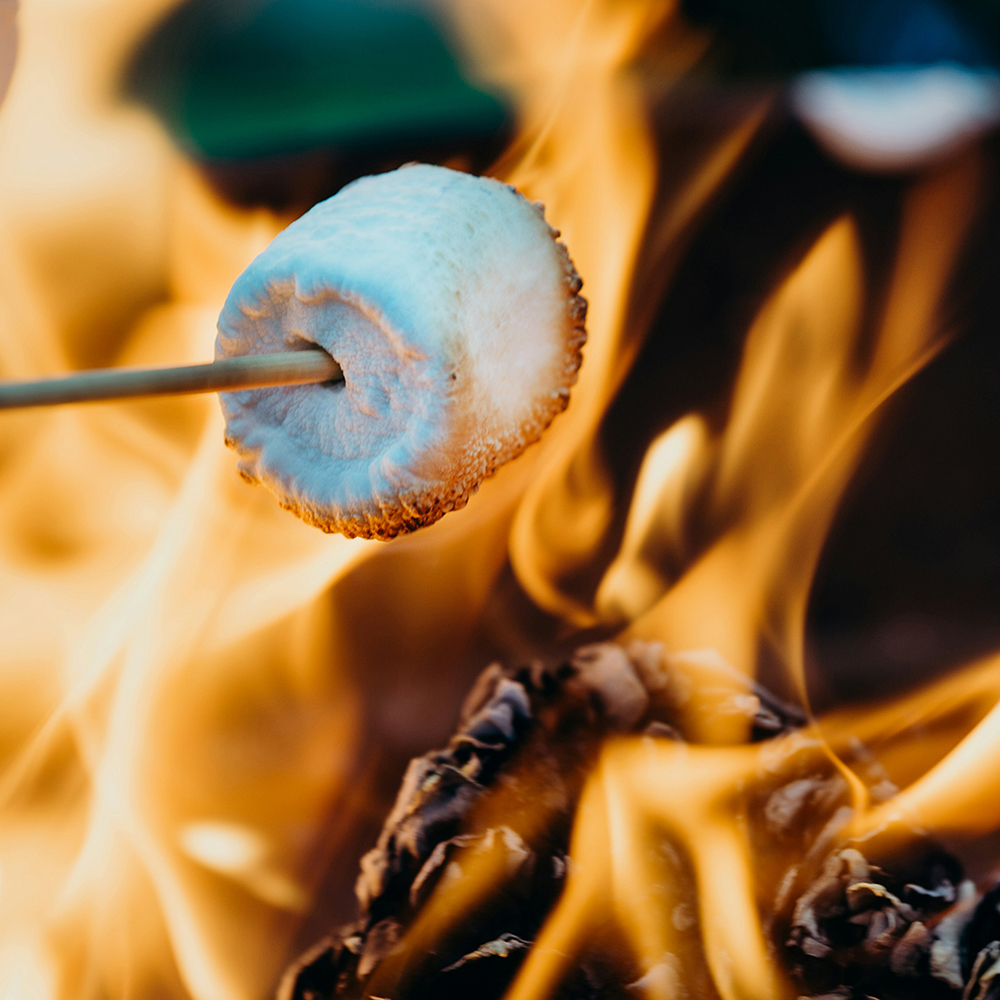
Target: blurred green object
248, 79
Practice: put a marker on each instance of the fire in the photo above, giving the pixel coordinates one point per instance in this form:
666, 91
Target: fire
801, 412
799, 418
580, 95
156, 613
182, 728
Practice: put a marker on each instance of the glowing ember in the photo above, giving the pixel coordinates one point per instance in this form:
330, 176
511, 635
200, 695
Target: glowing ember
454, 315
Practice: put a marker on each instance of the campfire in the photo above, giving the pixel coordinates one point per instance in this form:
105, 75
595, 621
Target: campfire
699, 695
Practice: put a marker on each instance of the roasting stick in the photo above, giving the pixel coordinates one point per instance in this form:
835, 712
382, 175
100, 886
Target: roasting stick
252, 371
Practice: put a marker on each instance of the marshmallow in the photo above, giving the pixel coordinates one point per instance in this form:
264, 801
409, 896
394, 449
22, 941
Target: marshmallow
454, 314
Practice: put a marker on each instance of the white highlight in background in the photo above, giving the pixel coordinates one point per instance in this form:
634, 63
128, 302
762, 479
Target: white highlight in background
889, 119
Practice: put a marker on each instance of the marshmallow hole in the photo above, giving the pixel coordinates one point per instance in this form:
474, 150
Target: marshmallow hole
303, 344
345, 441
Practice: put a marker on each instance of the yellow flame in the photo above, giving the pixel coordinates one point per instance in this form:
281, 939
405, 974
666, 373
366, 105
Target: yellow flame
179, 715
176, 671
803, 406
671, 471
957, 796
645, 791
651, 788
802, 409
586, 152
168, 654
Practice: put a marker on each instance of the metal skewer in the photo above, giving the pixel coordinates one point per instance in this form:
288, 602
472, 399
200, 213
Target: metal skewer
252, 371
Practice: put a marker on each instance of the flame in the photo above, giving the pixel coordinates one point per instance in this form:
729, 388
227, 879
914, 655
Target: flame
176, 728
768, 485
957, 795
181, 720
800, 414
587, 154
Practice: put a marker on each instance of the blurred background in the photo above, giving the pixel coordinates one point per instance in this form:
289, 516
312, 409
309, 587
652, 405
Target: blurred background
206, 706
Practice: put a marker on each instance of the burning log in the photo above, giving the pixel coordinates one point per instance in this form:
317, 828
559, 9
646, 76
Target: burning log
860, 930
502, 796
484, 826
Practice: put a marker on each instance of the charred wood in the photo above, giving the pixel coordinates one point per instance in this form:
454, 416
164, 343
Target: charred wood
501, 796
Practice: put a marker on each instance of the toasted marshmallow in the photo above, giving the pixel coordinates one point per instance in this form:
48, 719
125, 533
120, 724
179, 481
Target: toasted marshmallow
454, 314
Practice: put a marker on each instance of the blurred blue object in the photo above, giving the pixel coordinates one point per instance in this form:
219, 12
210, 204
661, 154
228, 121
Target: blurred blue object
897, 32
883, 85
768, 36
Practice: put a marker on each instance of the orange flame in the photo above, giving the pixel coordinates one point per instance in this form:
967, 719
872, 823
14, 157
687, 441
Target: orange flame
802, 409
180, 719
